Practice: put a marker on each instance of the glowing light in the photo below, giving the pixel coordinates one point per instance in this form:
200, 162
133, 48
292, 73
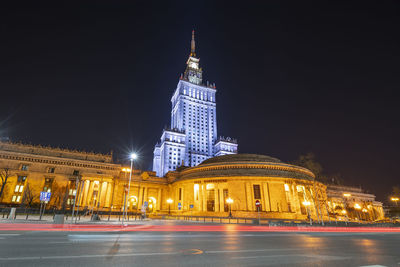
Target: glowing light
364, 210
347, 195
229, 200
126, 169
286, 187
133, 156
209, 186
394, 199
306, 203
344, 211
357, 206
169, 201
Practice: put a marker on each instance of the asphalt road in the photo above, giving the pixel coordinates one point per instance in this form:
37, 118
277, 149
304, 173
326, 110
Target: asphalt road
232, 248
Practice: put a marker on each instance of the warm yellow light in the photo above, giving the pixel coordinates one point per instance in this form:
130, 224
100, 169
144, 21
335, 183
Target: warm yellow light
357, 206
369, 206
306, 203
394, 199
229, 200
126, 169
364, 210
344, 211
169, 201
347, 195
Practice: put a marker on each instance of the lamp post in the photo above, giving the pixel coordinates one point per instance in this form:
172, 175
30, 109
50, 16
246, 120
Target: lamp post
307, 204
346, 196
76, 192
395, 200
132, 157
169, 201
230, 201
125, 170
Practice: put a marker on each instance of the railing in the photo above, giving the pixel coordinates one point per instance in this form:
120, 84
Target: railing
26, 213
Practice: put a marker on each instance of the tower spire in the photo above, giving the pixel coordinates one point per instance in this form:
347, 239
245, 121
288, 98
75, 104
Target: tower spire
193, 46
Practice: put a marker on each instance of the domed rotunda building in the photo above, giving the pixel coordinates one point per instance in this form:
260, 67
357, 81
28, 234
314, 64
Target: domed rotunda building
281, 190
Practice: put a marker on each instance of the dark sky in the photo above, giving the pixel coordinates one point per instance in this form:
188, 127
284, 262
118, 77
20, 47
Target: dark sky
292, 77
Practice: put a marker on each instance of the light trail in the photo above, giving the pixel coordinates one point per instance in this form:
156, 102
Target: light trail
189, 228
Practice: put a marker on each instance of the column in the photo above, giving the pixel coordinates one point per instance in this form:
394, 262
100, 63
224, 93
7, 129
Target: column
266, 198
108, 195
248, 197
103, 193
216, 197
90, 194
204, 198
145, 194
85, 192
221, 199
159, 200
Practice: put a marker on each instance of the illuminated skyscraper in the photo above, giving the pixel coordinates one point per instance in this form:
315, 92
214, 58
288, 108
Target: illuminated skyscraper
192, 136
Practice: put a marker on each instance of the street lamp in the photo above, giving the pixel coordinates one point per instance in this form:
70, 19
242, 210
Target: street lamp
230, 201
132, 157
307, 204
395, 199
169, 201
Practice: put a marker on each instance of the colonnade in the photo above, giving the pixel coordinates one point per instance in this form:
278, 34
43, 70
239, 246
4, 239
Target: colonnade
95, 192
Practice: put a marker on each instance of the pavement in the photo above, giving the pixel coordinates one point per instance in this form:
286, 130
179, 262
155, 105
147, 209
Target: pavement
171, 243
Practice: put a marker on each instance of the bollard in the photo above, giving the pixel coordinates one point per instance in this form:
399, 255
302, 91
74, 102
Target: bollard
58, 219
13, 214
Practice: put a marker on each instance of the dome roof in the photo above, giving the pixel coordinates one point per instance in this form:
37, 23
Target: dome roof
245, 165
241, 158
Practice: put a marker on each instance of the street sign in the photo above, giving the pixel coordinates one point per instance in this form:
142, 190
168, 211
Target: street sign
45, 196
191, 206
179, 206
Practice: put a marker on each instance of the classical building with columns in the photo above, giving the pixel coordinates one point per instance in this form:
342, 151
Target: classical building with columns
282, 190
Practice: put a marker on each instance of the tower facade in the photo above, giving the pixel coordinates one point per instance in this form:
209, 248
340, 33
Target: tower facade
192, 135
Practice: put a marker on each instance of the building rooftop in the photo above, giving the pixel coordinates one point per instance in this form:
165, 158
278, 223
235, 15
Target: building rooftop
241, 158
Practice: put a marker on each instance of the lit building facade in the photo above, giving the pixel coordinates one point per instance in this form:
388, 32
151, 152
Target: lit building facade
192, 136
352, 203
284, 191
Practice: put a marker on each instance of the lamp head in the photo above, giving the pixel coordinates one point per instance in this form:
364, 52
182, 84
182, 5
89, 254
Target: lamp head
133, 156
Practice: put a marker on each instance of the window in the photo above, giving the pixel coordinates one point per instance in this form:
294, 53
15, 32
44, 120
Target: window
180, 194
51, 170
257, 191
226, 205
47, 184
76, 173
24, 167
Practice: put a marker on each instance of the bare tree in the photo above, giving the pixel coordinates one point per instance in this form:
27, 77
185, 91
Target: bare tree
308, 161
5, 174
57, 195
396, 191
30, 196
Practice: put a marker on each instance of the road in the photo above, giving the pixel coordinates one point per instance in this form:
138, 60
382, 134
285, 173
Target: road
197, 248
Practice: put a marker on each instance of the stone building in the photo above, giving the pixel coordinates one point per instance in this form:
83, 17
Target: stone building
192, 135
283, 190
352, 203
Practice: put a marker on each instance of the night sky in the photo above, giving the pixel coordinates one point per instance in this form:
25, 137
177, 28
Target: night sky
292, 77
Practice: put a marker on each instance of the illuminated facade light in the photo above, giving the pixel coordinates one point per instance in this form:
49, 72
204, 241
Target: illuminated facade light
347, 195
229, 200
357, 206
